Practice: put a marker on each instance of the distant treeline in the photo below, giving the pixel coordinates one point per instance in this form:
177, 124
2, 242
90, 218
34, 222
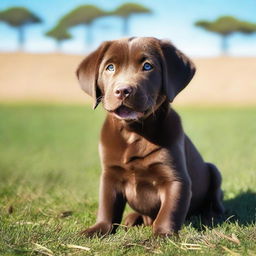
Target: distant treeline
20, 17
85, 15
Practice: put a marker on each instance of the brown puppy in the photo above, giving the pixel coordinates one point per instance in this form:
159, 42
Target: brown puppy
147, 160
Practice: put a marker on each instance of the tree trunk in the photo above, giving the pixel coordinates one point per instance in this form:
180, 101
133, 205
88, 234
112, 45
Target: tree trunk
21, 37
58, 46
89, 35
126, 26
224, 45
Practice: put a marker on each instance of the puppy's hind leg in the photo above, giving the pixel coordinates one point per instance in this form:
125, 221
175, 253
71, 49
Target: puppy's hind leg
215, 191
136, 219
213, 207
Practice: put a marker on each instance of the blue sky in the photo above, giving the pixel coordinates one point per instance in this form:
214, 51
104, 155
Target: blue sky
171, 19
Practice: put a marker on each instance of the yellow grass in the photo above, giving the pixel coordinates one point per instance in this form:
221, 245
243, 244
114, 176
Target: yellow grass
51, 78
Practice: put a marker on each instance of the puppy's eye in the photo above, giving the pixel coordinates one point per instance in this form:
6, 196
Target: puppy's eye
110, 67
147, 66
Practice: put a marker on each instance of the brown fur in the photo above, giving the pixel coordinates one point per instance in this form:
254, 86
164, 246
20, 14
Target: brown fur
147, 160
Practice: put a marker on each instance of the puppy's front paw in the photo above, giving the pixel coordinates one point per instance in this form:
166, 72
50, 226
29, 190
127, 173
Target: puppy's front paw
163, 231
99, 229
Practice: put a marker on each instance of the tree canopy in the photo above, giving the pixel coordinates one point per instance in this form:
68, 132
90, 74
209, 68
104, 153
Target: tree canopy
59, 33
84, 14
227, 25
18, 16
127, 9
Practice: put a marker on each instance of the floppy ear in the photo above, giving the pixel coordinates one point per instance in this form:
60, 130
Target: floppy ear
178, 70
88, 70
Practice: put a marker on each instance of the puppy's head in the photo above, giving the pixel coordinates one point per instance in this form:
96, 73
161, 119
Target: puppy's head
132, 77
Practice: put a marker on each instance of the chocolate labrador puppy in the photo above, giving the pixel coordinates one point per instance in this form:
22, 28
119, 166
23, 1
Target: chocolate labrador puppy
147, 159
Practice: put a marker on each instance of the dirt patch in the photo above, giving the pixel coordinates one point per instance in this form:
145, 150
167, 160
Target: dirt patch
222, 81
51, 78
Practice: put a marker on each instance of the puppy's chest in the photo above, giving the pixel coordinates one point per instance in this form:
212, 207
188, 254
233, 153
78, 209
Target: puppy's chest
140, 169
131, 151
137, 161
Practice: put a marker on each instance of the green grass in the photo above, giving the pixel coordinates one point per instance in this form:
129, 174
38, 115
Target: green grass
49, 176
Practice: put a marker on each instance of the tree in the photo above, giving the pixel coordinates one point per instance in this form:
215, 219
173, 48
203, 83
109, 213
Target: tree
19, 18
226, 26
83, 15
58, 33
126, 10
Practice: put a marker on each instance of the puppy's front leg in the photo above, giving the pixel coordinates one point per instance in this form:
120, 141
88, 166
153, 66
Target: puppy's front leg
111, 207
175, 199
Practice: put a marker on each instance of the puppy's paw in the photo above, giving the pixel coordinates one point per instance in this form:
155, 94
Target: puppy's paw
163, 231
99, 229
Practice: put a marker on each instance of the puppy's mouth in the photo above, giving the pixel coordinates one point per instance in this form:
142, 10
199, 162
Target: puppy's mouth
127, 113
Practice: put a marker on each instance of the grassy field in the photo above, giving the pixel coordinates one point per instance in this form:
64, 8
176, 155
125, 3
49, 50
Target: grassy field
49, 175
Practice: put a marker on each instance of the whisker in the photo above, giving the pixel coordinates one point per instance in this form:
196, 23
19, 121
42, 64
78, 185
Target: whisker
99, 99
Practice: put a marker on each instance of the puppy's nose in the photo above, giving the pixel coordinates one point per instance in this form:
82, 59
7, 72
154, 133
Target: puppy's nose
122, 92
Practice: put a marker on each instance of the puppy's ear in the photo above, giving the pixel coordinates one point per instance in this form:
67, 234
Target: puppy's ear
178, 70
88, 71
